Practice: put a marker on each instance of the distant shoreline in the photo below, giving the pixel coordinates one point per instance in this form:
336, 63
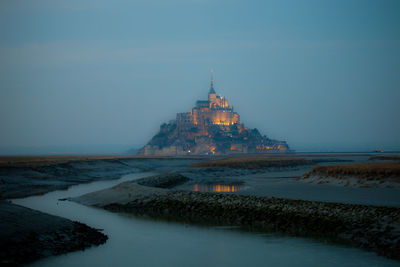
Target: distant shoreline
10, 159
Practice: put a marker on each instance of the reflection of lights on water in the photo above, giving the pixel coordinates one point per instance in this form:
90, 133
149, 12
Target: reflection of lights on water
216, 188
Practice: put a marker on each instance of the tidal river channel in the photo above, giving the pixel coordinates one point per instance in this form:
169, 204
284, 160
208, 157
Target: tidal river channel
136, 241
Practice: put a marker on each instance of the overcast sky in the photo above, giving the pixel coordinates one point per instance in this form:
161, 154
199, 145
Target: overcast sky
314, 73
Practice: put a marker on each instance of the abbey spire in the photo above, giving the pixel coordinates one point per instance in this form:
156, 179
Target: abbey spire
212, 91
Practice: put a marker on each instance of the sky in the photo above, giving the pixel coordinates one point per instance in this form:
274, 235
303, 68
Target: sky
322, 75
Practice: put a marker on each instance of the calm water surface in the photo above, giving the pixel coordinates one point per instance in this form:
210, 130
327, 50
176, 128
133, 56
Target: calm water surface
216, 187
140, 242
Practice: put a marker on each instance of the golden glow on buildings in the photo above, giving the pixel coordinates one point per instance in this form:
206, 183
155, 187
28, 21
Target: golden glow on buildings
235, 147
214, 115
215, 110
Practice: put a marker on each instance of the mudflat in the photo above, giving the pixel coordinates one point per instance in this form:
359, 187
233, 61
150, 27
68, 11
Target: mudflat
27, 176
27, 235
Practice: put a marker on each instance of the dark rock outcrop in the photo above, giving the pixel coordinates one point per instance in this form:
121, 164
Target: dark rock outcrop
216, 140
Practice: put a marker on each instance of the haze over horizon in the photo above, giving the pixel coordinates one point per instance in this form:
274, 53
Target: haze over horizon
319, 74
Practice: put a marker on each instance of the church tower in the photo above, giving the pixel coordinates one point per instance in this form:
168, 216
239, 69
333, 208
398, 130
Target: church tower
211, 94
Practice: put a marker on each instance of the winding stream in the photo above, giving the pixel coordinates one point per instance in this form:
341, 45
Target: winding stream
141, 242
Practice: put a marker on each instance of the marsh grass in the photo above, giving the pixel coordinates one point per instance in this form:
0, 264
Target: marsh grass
385, 157
369, 171
253, 162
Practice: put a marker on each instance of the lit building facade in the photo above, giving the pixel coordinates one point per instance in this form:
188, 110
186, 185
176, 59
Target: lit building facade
214, 111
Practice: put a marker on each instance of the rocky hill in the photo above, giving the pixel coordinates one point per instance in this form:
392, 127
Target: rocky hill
220, 140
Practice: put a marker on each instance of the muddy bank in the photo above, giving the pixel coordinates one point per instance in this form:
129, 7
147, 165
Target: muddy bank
27, 235
352, 181
166, 180
25, 180
368, 227
373, 174
21, 177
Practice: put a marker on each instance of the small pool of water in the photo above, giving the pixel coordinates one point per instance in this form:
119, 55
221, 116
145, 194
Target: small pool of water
216, 187
137, 241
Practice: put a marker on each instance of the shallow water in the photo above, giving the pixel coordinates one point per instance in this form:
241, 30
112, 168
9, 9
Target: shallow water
140, 242
216, 187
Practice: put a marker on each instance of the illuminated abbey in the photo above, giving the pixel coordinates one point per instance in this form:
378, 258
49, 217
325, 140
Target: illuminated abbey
215, 110
210, 128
